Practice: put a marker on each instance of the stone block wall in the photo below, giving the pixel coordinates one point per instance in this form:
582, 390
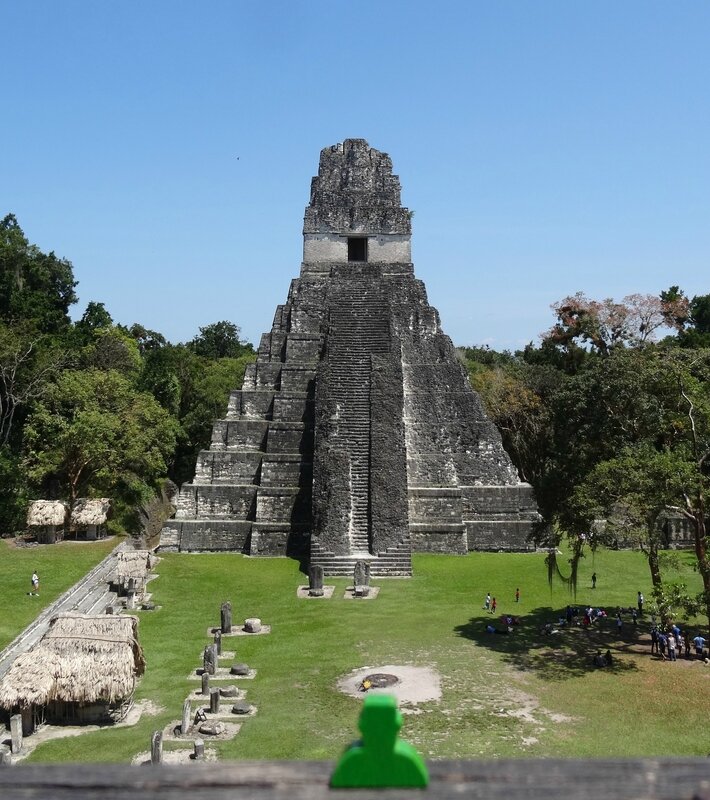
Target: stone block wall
356, 434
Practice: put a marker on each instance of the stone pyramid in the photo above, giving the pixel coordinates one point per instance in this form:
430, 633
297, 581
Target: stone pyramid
356, 434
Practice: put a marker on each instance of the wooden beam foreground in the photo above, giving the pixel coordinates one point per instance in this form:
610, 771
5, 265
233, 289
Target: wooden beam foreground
548, 779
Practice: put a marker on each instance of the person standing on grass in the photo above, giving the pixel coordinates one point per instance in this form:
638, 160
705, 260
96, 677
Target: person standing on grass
594, 580
654, 640
662, 641
639, 601
494, 605
35, 584
517, 595
487, 602
671, 647
699, 643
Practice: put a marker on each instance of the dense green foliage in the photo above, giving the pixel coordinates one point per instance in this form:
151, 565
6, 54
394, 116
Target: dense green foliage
526, 694
608, 424
93, 408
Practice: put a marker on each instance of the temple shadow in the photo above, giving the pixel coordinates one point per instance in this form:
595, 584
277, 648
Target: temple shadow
538, 643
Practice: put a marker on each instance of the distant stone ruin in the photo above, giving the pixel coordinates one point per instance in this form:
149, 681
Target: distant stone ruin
356, 434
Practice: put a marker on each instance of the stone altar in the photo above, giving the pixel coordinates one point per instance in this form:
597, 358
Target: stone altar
356, 434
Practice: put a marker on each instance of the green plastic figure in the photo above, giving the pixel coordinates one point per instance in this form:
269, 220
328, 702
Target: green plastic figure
380, 759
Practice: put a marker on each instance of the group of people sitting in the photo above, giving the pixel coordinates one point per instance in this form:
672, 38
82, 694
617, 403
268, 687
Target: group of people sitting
507, 622
600, 660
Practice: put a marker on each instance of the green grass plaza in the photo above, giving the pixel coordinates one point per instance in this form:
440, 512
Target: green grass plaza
525, 694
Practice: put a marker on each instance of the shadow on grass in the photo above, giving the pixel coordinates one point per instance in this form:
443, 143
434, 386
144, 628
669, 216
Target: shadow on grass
566, 653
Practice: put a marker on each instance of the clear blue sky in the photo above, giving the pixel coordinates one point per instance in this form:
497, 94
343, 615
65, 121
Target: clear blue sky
166, 148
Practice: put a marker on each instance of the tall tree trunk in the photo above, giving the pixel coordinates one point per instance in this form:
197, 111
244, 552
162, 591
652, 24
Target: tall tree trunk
654, 566
701, 552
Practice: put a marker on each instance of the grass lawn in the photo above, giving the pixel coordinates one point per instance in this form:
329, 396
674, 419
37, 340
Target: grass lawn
520, 695
59, 566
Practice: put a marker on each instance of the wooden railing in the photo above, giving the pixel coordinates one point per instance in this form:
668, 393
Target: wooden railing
551, 779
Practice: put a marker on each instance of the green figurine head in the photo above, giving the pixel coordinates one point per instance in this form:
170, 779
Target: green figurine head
380, 721
380, 759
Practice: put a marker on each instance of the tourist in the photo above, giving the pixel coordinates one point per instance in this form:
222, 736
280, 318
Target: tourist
640, 603
699, 643
654, 639
634, 615
594, 580
517, 595
598, 659
671, 647
35, 584
687, 643
487, 603
619, 623
494, 605
607, 657
662, 642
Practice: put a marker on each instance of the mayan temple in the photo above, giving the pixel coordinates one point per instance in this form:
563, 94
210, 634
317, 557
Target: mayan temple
356, 435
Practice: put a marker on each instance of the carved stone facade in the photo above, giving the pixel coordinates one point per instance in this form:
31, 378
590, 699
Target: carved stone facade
356, 434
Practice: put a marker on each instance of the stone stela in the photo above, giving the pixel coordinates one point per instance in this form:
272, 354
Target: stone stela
356, 435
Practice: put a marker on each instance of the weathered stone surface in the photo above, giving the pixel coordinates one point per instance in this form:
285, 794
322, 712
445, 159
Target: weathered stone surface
239, 669
5, 756
209, 659
241, 707
214, 701
156, 747
16, 733
226, 617
315, 580
212, 728
229, 691
199, 750
356, 432
205, 683
186, 715
362, 574
252, 625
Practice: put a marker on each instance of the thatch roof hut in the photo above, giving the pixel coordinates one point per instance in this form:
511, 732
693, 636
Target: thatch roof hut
47, 519
133, 564
89, 515
46, 512
84, 667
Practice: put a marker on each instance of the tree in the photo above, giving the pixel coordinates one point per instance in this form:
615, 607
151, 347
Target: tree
92, 433
95, 317
27, 362
604, 325
653, 453
195, 390
220, 340
36, 289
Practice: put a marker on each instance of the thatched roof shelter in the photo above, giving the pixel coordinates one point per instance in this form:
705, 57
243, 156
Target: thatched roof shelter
81, 659
87, 511
46, 512
133, 564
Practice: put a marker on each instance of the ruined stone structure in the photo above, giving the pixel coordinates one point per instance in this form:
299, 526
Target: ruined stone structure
356, 434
